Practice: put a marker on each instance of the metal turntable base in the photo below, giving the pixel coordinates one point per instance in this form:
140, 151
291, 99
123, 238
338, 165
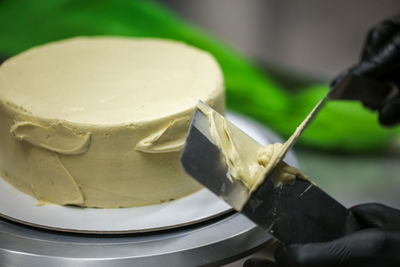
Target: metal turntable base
211, 243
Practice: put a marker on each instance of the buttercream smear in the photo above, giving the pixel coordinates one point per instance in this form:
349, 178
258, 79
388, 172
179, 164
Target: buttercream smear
55, 137
167, 139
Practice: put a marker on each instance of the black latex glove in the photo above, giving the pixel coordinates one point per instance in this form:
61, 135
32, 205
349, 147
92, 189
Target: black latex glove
380, 61
376, 244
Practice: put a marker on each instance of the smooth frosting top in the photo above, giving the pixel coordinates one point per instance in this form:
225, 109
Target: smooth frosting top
123, 85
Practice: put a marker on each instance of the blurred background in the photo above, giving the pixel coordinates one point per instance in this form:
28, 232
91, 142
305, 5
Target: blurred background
278, 58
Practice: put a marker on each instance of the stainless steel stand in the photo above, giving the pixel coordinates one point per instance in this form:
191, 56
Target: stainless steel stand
213, 243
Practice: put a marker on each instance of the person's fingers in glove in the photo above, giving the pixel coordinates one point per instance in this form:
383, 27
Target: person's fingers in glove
389, 114
380, 58
378, 244
379, 35
381, 53
368, 248
380, 61
378, 216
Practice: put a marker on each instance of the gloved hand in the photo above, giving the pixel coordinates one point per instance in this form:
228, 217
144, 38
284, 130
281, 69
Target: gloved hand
380, 61
376, 244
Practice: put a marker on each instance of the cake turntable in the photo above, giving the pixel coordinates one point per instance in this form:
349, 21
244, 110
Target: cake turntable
213, 240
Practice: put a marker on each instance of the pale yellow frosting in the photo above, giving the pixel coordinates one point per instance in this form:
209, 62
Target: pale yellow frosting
100, 121
55, 137
247, 160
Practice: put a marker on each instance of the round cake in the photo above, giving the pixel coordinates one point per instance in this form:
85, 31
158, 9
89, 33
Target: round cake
100, 121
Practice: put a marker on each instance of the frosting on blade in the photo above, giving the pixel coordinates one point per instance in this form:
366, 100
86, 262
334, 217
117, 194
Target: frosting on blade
246, 159
239, 150
265, 154
168, 139
286, 174
56, 137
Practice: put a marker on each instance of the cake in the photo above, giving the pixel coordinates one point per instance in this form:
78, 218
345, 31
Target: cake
100, 121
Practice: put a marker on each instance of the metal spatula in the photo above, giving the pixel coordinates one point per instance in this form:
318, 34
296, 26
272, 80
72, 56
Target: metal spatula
297, 212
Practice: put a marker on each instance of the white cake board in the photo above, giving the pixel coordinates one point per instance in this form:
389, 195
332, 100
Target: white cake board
197, 207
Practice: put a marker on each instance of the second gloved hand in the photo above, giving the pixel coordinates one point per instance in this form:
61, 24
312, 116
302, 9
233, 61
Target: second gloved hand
376, 244
380, 61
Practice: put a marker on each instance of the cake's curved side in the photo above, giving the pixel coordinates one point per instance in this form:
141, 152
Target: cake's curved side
110, 173
108, 166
